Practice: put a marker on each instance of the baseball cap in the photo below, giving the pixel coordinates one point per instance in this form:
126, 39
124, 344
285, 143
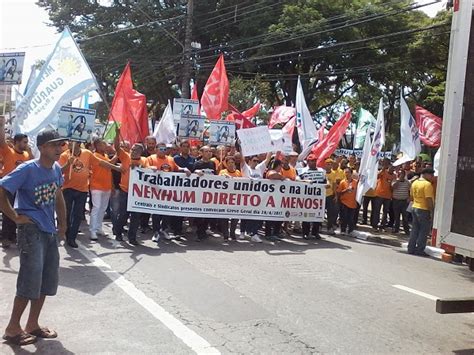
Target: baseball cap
293, 154
312, 157
48, 135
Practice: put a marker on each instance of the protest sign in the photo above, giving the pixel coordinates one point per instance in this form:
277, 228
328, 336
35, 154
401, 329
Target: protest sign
100, 129
211, 196
11, 68
281, 141
191, 126
255, 141
184, 107
221, 132
76, 123
358, 153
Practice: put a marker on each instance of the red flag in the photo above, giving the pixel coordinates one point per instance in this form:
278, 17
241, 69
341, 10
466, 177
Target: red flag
281, 115
195, 96
251, 112
129, 108
329, 144
214, 99
194, 93
429, 126
321, 132
289, 127
239, 119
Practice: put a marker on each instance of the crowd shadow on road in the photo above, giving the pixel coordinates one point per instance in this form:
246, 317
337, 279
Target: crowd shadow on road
289, 245
464, 352
42, 346
80, 269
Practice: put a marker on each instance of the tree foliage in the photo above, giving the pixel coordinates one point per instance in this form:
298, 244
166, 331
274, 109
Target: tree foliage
347, 53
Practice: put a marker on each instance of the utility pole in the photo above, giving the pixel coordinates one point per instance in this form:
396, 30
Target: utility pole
187, 64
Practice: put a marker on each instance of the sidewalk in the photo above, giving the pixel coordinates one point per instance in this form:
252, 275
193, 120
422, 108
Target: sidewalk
399, 240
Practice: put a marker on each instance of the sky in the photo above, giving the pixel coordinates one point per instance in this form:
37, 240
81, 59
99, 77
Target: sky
23, 28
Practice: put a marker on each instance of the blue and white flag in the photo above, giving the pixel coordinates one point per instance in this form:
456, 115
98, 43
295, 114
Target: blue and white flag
31, 79
64, 77
409, 137
307, 132
369, 163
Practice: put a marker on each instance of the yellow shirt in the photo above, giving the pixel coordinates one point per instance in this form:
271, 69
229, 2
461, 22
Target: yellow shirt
339, 173
421, 189
331, 180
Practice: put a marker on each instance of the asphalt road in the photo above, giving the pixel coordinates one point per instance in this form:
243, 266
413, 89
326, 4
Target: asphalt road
338, 295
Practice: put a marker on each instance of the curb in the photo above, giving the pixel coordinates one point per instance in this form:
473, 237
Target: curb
369, 237
433, 252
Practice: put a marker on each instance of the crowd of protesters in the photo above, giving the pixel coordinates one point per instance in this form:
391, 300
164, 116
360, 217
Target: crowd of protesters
97, 176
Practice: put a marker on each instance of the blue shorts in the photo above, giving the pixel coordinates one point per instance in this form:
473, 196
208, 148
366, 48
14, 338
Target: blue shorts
39, 262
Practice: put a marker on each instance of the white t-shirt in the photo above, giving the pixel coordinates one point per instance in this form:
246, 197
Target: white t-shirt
256, 173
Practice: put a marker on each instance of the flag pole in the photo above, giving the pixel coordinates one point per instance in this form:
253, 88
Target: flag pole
104, 99
72, 153
5, 94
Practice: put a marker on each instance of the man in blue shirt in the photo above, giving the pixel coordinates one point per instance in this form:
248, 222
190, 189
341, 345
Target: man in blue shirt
37, 184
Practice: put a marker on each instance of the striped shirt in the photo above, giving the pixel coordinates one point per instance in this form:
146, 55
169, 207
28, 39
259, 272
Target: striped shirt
401, 190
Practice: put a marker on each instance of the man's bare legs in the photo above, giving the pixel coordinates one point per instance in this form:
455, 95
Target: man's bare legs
19, 306
14, 327
35, 310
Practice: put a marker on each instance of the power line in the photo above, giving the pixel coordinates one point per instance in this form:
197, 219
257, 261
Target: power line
348, 25
335, 45
288, 31
130, 28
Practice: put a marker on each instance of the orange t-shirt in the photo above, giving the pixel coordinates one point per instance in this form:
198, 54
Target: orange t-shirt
77, 176
127, 162
289, 174
384, 184
235, 173
163, 164
11, 159
348, 198
101, 178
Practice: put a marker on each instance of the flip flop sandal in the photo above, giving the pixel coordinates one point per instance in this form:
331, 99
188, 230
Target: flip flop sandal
20, 339
44, 333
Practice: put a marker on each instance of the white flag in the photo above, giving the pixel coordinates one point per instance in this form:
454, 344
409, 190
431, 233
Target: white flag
165, 130
369, 164
64, 77
409, 137
304, 123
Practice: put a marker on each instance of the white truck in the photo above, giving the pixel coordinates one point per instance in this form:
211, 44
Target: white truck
453, 225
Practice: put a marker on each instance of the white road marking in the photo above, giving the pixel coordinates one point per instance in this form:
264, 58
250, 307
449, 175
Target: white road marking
198, 344
416, 292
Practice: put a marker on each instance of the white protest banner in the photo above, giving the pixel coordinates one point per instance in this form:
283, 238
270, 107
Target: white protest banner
11, 68
184, 107
221, 132
358, 153
281, 141
255, 141
76, 123
211, 196
191, 126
